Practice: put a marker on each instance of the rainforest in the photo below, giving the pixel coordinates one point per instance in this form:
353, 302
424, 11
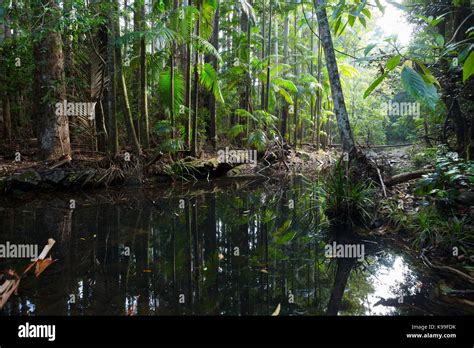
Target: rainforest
237, 157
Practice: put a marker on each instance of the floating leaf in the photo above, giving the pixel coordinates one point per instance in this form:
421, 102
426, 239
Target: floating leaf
39, 269
277, 310
41, 265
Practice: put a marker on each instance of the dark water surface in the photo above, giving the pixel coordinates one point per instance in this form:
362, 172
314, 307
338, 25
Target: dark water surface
223, 248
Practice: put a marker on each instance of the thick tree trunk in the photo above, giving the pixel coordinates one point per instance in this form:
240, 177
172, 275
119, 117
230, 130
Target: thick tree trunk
334, 79
49, 86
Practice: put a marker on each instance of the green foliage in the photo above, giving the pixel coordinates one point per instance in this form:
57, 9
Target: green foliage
418, 88
451, 174
209, 79
468, 67
346, 199
430, 227
257, 139
179, 89
425, 156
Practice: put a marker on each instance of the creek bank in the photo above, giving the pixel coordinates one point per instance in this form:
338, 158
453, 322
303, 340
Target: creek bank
98, 171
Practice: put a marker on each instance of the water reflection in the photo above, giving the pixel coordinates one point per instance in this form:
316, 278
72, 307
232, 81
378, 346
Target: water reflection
241, 250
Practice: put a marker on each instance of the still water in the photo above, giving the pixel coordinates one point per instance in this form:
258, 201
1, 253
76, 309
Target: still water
229, 247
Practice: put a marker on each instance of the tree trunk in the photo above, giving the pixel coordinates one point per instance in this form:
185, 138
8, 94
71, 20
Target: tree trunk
267, 88
144, 121
111, 90
49, 84
345, 130
194, 139
127, 113
98, 95
262, 96
319, 97
7, 120
215, 64
285, 108
187, 125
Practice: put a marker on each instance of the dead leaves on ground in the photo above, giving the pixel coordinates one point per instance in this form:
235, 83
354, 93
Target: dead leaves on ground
11, 284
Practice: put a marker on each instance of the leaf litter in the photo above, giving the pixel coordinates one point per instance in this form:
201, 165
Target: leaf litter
12, 281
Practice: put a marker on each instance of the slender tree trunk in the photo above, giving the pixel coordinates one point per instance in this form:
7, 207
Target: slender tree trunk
144, 120
286, 53
296, 123
245, 54
127, 113
49, 83
215, 64
136, 82
334, 79
267, 88
113, 145
172, 78
319, 102
187, 126
262, 98
98, 70
296, 72
7, 120
194, 139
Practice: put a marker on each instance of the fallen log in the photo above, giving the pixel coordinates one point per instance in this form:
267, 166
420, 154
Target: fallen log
404, 177
446, 269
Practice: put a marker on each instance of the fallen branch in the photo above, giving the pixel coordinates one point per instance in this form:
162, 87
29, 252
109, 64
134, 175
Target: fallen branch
447, 269
155, 158
9, 287
404, 177
382, 183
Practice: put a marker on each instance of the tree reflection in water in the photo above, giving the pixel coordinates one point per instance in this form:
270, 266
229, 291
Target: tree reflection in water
241, 250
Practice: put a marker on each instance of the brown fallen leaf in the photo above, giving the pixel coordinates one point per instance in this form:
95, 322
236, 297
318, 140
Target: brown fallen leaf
277, 310
264, 270
41, 265
220, 256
